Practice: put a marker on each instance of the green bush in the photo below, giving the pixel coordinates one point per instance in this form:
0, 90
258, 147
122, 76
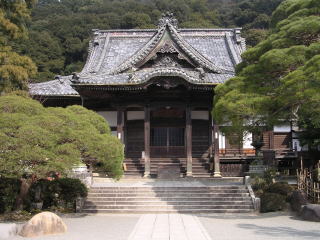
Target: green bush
259, 185
316, 175
44, 191
61, 192
270, 175
281, 188
9, 190
71, 189
271, 202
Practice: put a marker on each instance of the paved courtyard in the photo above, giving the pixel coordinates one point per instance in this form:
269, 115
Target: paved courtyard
179, 226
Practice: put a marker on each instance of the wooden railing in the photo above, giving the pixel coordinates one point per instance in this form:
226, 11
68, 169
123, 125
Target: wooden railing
308, 185
235, 151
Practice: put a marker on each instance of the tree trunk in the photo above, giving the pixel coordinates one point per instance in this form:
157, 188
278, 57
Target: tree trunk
24, 189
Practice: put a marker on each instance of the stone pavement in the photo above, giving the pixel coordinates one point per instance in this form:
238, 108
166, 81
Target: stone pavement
267, 226
168, 227
271, 226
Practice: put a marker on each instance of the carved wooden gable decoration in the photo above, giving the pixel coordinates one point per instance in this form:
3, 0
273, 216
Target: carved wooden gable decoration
167, 49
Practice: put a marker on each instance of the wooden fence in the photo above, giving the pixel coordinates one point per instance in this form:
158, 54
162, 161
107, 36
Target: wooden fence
308, 185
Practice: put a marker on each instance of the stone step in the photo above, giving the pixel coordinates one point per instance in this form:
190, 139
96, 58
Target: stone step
167, 195
209, 188
144, 211
169, 207
166, 203
166, 191
232, 197
129, 199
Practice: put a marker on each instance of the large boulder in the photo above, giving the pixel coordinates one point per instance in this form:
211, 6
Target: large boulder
43, 224
311, 212
298, 199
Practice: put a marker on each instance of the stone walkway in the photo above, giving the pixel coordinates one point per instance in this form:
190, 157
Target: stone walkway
169, 227
271, 226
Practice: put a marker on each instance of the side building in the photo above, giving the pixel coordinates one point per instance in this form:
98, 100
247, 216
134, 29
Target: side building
155, 87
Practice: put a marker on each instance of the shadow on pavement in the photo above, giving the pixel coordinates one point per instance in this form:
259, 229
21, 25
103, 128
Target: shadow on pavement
280, 231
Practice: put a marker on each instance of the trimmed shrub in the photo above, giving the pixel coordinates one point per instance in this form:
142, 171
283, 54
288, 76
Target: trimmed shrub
259, 185
9, 190
44, 191
271, 202
298, 199
70, 190
61, 192
281, 188
270, 175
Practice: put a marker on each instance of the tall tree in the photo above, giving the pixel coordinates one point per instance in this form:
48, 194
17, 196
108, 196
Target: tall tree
279, 79
15, 70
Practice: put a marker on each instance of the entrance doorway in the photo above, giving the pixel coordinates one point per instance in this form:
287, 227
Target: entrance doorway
167, 142
167, 133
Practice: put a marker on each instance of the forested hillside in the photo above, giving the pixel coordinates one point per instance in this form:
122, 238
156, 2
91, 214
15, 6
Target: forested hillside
59, 30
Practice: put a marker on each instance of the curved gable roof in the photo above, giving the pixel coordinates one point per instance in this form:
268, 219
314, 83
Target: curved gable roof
115, 58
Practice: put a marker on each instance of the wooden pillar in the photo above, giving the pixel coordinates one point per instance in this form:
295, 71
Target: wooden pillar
210, 142
147, 141
120, 124
82, 101
271, 140
189, 141
125, 131
216, 172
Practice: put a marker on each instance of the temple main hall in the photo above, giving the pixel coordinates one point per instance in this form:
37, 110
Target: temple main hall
155, 87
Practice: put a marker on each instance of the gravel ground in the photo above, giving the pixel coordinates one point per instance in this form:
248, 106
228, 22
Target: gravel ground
274, 226
270, 226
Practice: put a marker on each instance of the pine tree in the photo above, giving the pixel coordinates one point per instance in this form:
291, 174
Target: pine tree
279, 79
15, 70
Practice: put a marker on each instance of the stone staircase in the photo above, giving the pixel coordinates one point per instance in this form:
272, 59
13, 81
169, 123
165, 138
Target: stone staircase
155, 162
201, 167
211, 199
135, 166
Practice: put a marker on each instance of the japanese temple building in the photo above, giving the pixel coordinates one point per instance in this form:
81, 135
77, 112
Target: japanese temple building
155, 87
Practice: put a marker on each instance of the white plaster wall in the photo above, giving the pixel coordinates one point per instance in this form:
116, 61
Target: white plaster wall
282, 128
297, 146
202, 115
222, 141
247, 140
135, 115
296, 143
110, 117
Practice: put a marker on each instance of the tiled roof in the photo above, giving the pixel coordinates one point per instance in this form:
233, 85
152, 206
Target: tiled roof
111, 49
115, 54
143, 76
61, 86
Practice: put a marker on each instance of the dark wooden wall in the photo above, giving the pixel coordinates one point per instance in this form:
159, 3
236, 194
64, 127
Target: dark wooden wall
200, 138
134, 138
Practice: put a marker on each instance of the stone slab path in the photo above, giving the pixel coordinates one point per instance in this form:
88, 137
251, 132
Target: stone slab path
169, 227
271, 226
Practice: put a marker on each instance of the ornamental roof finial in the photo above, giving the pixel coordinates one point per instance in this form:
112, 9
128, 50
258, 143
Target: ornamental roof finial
167, 18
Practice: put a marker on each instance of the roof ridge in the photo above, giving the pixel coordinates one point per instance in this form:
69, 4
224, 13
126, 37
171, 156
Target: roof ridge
187, 48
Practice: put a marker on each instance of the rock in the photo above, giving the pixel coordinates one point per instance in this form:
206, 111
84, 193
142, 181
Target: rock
311, 212
298, 199
43, 224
